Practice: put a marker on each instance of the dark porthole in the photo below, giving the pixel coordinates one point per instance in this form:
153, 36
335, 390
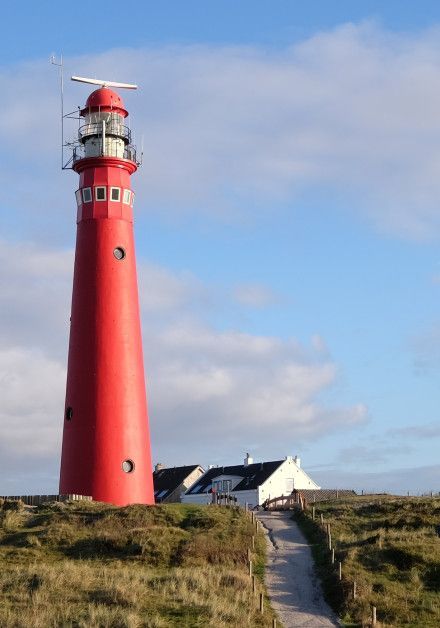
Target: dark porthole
119, 253
128, 466
69, 413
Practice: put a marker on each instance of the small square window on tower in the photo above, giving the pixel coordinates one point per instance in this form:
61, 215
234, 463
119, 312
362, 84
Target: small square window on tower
126, 197
78, 197
87, 195
100, 193
115, 194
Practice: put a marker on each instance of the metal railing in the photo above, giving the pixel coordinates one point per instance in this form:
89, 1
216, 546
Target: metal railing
112, 128
129, 153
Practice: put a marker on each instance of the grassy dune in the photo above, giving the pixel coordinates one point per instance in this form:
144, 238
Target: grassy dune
88, 564
391, 548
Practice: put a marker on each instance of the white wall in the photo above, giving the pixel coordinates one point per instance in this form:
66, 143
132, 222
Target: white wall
251, 497
287, 477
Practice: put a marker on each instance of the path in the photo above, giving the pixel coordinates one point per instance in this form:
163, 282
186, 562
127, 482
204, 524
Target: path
291, 582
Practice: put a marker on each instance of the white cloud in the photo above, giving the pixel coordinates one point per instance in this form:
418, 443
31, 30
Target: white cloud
420, 431
350, 114
221, 391
32, 401
211, 392
254, 295
35, 295
426, 350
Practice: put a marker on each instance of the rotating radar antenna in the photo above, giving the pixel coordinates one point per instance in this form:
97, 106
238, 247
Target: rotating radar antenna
102, 83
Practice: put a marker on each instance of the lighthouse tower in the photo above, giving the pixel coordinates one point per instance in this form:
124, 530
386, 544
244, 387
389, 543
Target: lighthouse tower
106, 442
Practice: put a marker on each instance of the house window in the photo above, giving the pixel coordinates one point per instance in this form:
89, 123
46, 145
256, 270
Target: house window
227, 486
126, 197
115, 194
87, 195
78, 197
100, 193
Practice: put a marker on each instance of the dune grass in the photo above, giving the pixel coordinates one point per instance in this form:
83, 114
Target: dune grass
88, 564
390, 546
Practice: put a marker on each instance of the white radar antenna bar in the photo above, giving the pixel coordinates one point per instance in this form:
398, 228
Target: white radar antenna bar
82, 79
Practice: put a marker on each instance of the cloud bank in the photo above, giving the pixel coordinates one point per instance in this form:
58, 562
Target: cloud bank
349, 116
213, 394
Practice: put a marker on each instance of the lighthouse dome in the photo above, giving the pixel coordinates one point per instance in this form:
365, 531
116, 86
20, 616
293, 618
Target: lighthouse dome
105, 99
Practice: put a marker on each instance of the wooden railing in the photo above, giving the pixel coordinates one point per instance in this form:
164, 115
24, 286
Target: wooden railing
286, 502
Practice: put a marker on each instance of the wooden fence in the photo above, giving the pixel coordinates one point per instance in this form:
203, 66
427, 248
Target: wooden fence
36, 500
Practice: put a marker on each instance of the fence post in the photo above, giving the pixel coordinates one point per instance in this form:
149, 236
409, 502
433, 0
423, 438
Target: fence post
261, 603
333, 556
313, 513
250, 568
253, 541
322, 519
373, 616
254, 584
329, 541
274, 623
354, 590
340, 570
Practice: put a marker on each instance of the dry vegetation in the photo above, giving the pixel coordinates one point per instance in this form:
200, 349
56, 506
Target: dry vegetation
88, 564
390, 546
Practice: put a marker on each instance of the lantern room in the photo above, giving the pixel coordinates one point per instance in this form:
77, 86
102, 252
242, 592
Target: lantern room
104, 133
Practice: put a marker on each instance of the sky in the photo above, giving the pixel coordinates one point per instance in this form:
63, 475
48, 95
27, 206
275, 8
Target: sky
287, 232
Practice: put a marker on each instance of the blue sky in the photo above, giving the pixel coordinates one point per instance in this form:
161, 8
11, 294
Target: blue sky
287, 232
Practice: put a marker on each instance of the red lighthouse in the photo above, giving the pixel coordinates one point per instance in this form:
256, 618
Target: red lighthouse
106, 441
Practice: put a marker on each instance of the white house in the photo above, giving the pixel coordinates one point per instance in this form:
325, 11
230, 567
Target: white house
252, 482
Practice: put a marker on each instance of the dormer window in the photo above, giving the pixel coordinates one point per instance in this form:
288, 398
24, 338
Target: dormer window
100, 193
87, 195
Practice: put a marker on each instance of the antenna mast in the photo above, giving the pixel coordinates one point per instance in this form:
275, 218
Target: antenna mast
60, 65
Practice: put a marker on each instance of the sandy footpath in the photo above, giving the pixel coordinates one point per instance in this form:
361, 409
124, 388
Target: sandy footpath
290, 579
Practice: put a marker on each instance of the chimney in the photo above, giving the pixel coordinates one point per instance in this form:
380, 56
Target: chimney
248, 460
297, 461
158, 467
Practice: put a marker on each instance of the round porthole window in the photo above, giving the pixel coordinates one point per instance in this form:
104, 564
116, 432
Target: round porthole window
128, 466
119, 253
69, 413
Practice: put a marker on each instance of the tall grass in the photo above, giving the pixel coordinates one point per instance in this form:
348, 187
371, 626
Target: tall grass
390, 547
88, 564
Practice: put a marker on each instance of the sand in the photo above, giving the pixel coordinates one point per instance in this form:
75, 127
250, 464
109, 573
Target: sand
291, 582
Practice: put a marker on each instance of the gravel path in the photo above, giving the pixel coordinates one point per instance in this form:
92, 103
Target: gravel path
293, 588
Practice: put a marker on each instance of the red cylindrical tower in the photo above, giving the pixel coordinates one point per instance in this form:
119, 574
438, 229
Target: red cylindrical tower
106, 441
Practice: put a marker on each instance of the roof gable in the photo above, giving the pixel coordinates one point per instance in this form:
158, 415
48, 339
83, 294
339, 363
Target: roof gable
168, 480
